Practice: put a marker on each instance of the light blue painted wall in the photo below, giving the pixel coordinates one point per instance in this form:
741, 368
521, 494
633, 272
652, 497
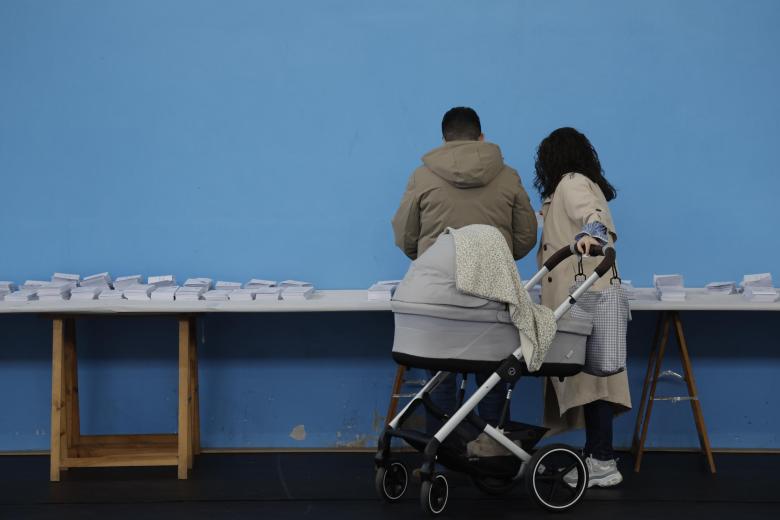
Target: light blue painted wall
238, 139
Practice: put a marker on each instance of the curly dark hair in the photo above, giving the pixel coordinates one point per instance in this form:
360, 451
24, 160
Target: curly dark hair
567, 150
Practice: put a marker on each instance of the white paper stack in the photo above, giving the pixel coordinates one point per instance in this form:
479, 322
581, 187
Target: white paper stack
123, 282
111, 294
6, 288
56, 291
190, 293
382, 291
230, 286
139, 292
22, 295
297, 292
257, 282
294, 283
86, 292
164, 294
66, 278
243, 295
758, 288
721, 287
217, 295
162, 280
198, 282
670, 287
629, 288
100, 280
268, 293
34, 284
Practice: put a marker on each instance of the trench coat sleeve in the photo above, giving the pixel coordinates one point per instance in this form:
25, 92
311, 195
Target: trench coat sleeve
583, 204
524, 225
406, 222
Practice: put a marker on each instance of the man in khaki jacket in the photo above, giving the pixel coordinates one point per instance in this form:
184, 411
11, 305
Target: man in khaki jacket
464, 182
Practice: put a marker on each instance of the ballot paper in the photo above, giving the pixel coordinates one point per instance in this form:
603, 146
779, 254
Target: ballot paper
669, 287
164, 294
227, 285
7, 286
268, 293
86, 292
111, 294
97, 280
139, 292
123, 282
217, 295
243, 295
34, 284
297, 292
721, 287
383, 290
295, 283
256, 282
190, 293
66, 278
198, 282
22, 295
629, 288
760, 294
57, 290
757, 280
162, 280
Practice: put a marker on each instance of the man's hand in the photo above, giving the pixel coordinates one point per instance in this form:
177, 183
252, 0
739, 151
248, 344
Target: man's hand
584, 244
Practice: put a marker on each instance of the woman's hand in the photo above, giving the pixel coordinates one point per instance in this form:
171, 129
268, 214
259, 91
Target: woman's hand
585, 243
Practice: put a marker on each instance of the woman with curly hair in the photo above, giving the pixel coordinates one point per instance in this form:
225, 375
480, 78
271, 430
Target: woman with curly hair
575, 194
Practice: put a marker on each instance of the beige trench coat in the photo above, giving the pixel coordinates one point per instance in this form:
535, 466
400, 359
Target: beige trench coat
577, 201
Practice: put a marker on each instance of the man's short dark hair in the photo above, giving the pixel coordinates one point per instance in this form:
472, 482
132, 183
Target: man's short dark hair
461, 124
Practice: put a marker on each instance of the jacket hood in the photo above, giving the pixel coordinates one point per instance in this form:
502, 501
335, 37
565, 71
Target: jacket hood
465, 164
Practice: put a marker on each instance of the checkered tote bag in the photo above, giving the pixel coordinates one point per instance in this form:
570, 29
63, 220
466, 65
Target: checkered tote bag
610, 313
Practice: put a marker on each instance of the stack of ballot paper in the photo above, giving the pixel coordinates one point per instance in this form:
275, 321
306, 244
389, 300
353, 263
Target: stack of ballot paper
6, 288
229, 286
629, 288
198, 282
190, 293
100, 280
243, 295
27, 292
111, 294
162, 280
758, 288
123, 282
297, 292
217, 295
295, 283
56, 291
382, 291
256, 282
139, 292
670, 287
66, 278
86, 292
267, 293
165, 293
721, 287
33, 284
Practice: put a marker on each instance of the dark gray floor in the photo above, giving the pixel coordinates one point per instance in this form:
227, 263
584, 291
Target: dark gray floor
329, 485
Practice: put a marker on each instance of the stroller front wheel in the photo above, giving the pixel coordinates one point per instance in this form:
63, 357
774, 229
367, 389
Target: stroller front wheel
434, 495
391, 482
556, 477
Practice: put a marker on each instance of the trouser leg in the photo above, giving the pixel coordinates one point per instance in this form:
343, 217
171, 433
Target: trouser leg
491, 405
598, 430
443, 396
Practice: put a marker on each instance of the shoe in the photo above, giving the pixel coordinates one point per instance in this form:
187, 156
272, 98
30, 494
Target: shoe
602, 473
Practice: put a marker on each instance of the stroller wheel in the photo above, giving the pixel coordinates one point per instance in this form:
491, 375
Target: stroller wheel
434, 495
544, 477
391, 482
493, 485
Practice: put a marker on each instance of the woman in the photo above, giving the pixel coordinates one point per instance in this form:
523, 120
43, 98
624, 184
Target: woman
575, 195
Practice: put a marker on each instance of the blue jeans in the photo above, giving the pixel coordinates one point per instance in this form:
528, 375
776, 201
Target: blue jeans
443, 396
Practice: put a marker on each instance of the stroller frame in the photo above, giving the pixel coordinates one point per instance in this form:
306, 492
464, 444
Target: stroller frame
433, 496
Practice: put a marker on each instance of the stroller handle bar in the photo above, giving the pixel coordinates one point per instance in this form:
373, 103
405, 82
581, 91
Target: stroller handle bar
608, 252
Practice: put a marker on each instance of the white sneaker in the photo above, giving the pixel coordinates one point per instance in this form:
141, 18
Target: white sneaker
601, 473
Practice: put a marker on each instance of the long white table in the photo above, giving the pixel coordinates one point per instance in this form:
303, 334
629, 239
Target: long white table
71, 449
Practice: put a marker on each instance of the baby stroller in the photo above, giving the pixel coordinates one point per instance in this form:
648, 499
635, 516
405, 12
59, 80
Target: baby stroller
439, 328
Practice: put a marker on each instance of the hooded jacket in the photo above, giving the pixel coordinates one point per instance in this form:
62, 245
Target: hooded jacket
463, 183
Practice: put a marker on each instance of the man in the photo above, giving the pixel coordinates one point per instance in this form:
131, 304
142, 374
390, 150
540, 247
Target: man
464, 182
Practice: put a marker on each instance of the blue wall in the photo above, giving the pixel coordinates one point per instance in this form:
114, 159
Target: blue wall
238, 139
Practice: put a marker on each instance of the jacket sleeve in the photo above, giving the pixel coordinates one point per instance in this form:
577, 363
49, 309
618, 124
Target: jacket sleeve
583, 205
524, 225
406, 222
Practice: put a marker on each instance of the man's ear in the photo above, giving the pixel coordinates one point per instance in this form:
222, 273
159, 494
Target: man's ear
481, 137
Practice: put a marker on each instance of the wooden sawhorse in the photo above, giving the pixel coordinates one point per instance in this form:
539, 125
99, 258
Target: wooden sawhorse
665, 320
70, 449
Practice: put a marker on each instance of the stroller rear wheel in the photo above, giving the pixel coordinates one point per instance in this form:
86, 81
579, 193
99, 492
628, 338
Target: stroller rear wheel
391, 482
434, 495
495, 486
544, 477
